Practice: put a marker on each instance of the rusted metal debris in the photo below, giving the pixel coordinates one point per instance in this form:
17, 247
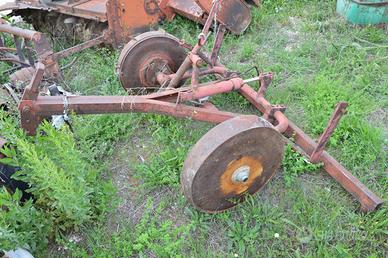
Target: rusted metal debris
236, 157
34, 44
233, 14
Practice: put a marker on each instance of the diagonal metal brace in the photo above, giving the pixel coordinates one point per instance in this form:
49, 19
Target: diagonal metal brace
340, 110
32, 90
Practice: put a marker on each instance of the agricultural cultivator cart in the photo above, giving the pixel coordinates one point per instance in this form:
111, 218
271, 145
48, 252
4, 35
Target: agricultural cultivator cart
235, 158
96, 22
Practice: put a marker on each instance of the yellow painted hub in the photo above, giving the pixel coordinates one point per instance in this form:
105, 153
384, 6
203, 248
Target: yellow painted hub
248, 165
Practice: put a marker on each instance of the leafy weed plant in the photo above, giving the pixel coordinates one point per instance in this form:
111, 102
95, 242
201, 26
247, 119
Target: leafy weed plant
295, 164
62, 182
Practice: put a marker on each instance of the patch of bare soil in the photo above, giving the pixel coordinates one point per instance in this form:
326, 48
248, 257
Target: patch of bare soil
292, 33
126, 154
132, 196
379, 118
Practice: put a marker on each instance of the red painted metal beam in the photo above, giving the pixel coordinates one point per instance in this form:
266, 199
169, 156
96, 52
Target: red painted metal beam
324, 139
368, 200
46, 106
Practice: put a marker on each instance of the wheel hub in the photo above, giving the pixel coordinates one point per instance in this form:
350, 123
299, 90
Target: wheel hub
145, 56
241, 175
150, 68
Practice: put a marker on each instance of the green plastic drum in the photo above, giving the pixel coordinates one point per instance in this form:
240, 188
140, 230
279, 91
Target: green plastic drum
364, 12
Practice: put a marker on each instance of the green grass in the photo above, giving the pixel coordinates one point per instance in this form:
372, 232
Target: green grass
318, 59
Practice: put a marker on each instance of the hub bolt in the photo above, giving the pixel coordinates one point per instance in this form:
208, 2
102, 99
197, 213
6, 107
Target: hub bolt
241, 175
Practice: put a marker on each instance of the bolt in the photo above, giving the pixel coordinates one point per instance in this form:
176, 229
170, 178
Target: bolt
241, 175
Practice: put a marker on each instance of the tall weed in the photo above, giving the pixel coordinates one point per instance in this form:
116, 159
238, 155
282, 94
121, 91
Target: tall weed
22, 225
67, 189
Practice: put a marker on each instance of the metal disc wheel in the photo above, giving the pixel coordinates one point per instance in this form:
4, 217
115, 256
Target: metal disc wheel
145, 56
235, 158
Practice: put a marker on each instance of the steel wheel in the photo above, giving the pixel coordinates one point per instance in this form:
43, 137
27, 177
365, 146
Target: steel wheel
236, 157
146, 55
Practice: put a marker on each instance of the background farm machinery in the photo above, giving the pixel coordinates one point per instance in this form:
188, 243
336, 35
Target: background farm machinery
235, 158
95, 22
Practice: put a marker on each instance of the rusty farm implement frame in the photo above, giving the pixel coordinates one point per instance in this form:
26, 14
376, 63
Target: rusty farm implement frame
235, 158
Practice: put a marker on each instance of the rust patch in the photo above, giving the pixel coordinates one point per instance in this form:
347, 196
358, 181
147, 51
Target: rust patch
229, 186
